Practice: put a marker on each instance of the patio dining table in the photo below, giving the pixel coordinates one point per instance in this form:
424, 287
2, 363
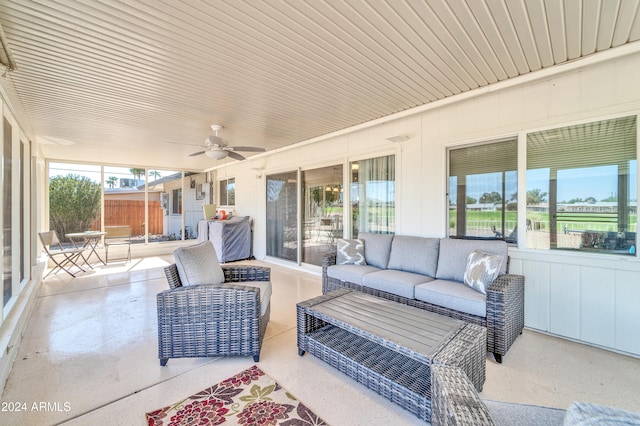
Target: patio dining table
87, 240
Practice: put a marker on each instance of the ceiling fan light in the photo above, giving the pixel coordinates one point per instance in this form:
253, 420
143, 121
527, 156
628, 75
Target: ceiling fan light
216, 154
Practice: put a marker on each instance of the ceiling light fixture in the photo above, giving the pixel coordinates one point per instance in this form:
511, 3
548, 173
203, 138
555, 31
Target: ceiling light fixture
216, 154
399, 138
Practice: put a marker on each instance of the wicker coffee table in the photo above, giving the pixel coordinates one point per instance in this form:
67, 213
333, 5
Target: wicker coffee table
389, 347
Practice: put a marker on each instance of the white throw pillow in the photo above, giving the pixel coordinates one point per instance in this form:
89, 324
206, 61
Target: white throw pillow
198, 264
350, 252
482, 269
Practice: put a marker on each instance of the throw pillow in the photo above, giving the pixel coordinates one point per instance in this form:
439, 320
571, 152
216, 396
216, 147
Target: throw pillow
482, 268
585, 413
198, 264
350, 252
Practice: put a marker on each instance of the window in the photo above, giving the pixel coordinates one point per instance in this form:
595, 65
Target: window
7, 218
228, 192
373, 195
483, 190
176, 204
582, 187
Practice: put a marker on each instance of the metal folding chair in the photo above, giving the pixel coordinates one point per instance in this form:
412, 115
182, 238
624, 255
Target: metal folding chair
63, 258
119, 235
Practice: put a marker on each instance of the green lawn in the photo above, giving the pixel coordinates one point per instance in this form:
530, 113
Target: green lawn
577, 222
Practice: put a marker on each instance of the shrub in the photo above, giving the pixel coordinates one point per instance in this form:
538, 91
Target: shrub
74, 203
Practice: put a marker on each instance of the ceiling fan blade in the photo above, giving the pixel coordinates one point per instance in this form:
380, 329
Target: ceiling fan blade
248, 148
215, 140
197, 153
235, 155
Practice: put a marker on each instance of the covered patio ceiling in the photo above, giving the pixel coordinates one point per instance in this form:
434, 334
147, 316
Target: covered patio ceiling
99, 78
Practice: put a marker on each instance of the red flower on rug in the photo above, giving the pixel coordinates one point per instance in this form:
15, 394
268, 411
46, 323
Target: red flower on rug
205, 412
250, 398
264, 413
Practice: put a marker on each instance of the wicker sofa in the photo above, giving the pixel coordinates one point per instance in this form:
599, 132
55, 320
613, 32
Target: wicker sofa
223, 319
428, 273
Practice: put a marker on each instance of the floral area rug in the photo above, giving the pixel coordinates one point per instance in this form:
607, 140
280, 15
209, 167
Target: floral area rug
248, 398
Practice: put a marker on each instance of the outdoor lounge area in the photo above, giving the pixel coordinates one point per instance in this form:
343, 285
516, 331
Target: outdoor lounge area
91, 344
469, 166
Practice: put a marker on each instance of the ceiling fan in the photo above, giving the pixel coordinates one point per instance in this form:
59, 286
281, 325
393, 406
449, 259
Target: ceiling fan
217, 148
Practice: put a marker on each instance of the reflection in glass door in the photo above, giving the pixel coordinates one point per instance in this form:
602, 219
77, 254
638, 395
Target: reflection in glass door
322, 212
282, 227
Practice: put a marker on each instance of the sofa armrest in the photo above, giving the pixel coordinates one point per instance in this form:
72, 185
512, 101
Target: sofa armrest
505, 312
239, 273
454, 399
328, 259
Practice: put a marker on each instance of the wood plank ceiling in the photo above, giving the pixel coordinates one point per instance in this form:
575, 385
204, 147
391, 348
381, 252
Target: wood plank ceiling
143, 72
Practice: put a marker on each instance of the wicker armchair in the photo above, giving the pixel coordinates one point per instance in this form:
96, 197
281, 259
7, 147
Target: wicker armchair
213, 319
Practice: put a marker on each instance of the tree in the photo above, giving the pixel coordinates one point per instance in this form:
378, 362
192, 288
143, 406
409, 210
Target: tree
74, 203
154, 174
137, 173
111, 181
492, 197
536, 196
471, 200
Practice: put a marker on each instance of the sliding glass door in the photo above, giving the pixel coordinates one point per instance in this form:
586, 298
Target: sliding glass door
322, 212
282, 207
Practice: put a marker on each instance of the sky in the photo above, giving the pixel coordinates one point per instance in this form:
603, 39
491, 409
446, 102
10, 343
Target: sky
597, 182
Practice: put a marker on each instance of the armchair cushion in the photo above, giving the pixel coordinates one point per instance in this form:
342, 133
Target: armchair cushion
198, 264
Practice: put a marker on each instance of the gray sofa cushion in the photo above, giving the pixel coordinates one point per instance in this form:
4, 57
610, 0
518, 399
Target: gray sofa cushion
414, 254
396, 282
452, 260
377, 248
350, 273
453, 295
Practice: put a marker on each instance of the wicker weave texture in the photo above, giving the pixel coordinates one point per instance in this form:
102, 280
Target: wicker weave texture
211, 320
455, 400
505, 306
398, 373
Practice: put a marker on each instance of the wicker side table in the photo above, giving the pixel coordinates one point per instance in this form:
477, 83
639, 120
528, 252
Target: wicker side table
387, 346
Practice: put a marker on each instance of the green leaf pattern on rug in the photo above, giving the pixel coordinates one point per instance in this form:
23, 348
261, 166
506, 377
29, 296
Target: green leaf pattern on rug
258, 394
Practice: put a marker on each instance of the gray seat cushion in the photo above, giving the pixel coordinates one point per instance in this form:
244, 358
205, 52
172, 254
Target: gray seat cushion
414, 254
452, 260
350, 273
377, 248
396, 282
453, 295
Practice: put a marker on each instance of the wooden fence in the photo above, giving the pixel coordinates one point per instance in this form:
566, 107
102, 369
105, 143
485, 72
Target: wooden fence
131, 212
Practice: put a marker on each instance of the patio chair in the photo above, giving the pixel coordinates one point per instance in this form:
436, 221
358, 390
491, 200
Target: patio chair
212, 310
63, 258
209, 211
119, 235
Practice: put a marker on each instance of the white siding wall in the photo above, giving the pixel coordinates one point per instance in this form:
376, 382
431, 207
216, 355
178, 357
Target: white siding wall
591, 298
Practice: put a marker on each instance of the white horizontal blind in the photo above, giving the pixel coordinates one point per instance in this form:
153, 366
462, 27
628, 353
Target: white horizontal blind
600, 143
486, 158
